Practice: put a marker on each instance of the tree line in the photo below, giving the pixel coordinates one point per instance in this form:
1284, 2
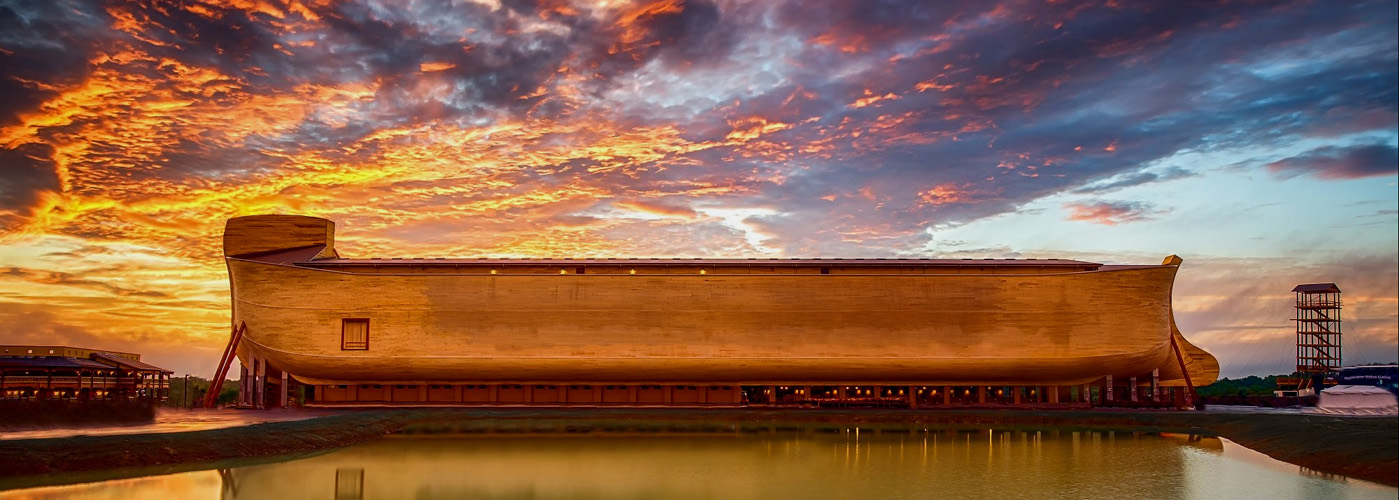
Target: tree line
192, 396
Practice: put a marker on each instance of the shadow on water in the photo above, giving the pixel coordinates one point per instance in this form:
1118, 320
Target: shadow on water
620, 460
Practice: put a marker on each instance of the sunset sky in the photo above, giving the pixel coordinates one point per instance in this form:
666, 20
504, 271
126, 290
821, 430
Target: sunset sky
1257, 140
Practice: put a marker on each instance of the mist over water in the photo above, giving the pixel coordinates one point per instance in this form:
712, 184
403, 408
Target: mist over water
845, 464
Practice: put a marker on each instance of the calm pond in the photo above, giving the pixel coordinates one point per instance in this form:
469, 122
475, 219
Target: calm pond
847, 464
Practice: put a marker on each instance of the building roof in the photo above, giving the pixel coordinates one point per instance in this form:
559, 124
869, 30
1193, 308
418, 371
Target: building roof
57, 350
1317, 288
703, 262
130, 363
51, 363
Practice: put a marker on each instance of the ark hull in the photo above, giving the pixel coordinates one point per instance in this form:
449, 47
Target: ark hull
762, 322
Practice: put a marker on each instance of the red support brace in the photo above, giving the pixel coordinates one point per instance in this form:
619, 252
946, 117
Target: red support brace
212, 398
1189, 387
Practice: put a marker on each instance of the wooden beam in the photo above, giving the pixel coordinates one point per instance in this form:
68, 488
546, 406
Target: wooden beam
216, 384
285, 390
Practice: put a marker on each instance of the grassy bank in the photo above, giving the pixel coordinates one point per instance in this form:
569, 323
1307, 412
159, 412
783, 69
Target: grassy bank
16, 415
1365, 448
38, 462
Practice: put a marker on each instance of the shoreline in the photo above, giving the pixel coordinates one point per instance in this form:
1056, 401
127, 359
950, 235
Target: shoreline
1365, 448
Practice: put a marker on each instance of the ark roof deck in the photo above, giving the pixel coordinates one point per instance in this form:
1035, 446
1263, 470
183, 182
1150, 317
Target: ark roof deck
1074, 264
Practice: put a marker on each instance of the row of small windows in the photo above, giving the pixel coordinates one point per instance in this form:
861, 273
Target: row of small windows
544, 387
582, 270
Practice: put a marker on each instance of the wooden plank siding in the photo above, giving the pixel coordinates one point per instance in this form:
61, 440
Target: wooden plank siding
668, 332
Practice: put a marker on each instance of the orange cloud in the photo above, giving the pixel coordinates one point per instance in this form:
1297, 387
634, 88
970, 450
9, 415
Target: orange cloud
870, 99
948, 193
429, 67
753, 128
658, 209
1108, 213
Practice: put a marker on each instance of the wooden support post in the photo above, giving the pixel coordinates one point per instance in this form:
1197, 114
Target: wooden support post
1156, 385
244, 385
286, 390
1053, 393
631, 394
1107, 390
422, 392
597, 394
772, 394
261, 383
1015, 394
947, 394
669, 394
494, 393
981, 394
1133, 390
252, 382
912, 397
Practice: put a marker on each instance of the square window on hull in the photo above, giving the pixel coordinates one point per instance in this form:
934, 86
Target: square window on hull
354, 334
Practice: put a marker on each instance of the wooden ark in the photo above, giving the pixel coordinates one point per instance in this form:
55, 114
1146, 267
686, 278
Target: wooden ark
696, 331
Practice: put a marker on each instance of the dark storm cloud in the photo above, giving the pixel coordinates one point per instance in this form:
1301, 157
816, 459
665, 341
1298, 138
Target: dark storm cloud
687, 34
27, 171
48, 42
1331, 162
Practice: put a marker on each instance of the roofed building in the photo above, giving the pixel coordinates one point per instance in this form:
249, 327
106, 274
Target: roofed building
62, 372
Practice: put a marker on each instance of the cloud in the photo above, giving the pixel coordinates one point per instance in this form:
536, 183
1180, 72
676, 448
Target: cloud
1135, 179
657, 209
68, 279
28, 324
1335, 162
1110, 213
523, 128
28, 171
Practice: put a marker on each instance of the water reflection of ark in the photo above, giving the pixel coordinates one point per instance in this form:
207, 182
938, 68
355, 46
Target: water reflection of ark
850, 463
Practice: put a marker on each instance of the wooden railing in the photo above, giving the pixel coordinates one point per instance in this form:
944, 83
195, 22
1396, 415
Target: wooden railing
31, 381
